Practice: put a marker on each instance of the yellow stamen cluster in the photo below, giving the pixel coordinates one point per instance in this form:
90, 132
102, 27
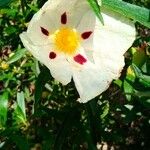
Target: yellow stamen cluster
66, 40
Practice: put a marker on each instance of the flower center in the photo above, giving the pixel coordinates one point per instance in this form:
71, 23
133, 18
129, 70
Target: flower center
67, 40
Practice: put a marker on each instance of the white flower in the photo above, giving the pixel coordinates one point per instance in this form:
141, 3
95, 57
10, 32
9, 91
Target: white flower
69, 39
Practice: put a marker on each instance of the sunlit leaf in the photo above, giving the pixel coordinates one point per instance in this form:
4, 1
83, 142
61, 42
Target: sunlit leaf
139, 57
139, 14
18, 55
19, 114
21, 101
3, 109
97, 9
128, 89
105, 109
143, 79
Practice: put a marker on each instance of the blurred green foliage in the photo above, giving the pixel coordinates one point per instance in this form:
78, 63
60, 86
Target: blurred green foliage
38, 113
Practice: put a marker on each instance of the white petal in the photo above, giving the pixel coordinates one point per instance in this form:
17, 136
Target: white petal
112, 63
91, 81
49, 17
61, 71
59, 5
116, 36
111, 40
74, 9
78, 13
59, 67
87, 22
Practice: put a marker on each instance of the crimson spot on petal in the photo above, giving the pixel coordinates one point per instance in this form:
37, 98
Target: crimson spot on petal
86, 35
80, 59
52, 55
64, 18
44, 31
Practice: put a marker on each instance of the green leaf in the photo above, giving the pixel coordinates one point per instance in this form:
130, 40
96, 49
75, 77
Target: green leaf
42, 79
19, 117
128, 89
118, 82
139, 14
130, 75
129, 107
18, 55
96, 8
139, 57
145, 101
19, 114
143, 79
3, 109
21, 102
93, 119
4, 3
141, 94
10, 30
105, 109
9, 12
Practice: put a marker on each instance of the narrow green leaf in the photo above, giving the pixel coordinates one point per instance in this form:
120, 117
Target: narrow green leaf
42, 79
93, 119
21, 102
141, 94
3, 109
143, 79
4, 3
118, 82
96, 8
19, 114
18, 54
105, 109
19, 117
128, 89
139, 14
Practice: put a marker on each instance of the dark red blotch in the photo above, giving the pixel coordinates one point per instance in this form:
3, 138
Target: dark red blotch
64, 18
44, 31
52, 55
80, 59
86, 35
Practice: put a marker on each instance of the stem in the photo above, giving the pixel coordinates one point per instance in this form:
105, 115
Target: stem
94, 120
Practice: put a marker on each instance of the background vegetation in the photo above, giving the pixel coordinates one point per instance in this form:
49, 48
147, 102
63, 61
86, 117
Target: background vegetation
38, 113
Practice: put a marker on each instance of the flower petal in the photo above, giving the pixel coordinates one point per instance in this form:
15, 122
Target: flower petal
59, 66
78, 13
87, 22
48, 17
59, 5
90, 81
110, 63
40, 24
116, 36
